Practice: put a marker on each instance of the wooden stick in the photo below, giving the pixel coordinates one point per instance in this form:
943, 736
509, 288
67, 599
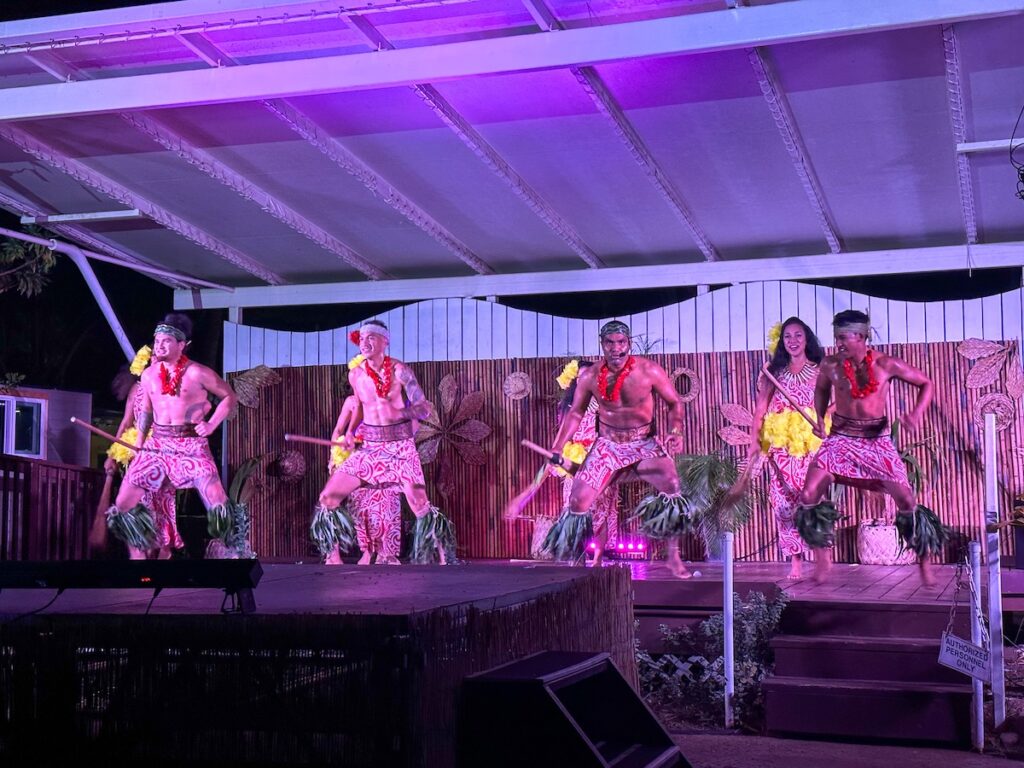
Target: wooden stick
514, 508
105, 435
290, 438
796, 406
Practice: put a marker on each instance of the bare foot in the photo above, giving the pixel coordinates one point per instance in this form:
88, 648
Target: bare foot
388, 560
927, 577
795, 573
366, 559
822, 566
137, 554
679, 570
598, 560
440, 556
334, 558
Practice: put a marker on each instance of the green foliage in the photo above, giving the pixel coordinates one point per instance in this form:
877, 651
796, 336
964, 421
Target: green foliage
706, 480
918, 470
24, 267
921, 531
687, 682
817, 524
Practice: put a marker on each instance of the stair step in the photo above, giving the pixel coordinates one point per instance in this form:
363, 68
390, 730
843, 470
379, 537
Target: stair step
871, 709
897, 659
838, 618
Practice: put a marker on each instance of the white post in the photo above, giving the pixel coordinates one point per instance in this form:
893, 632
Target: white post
995, 581
978, 702
76, 255
728, 651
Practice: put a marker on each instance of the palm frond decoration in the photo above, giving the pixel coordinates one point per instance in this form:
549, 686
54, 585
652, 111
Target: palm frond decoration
706, 481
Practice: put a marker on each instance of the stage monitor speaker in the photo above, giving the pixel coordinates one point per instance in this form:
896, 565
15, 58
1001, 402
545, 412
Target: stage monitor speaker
237, 578
560, 709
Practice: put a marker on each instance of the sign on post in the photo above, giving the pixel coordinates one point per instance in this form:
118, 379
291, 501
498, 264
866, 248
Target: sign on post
963, 656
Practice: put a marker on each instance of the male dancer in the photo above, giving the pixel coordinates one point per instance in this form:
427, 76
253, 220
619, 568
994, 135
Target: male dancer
388, 456
859, 450
174, 390
624, 387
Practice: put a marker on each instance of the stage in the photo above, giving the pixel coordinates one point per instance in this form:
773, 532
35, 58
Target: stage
356, 666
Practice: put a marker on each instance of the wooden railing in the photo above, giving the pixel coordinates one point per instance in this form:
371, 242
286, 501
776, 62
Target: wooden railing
46, 509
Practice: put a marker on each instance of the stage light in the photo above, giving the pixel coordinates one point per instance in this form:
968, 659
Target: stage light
640, 546
621, 545
629, 546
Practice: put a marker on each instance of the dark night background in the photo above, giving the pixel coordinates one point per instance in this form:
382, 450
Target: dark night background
60, 339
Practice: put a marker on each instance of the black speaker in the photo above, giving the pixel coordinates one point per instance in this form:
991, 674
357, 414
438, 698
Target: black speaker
237, 578
560, 709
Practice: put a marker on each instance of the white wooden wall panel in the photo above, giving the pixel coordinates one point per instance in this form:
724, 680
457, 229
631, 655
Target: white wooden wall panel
734, 318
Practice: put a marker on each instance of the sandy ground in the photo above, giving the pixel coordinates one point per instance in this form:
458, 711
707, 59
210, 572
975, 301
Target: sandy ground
735, 751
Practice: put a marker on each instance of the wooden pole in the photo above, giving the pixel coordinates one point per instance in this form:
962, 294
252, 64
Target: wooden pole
105, 435
290, 438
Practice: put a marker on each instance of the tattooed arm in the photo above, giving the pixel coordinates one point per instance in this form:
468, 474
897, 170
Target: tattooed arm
145, 420
418, 407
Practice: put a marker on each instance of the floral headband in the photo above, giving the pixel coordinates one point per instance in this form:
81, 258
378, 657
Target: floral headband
380, 330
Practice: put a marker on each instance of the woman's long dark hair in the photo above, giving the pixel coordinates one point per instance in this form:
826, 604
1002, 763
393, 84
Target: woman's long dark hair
781, 359
566, 402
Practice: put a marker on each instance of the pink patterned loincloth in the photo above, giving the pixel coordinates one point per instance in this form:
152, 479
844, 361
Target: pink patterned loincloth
378, 517
388, 458
180, 461
163, 505
861, 459
608, 457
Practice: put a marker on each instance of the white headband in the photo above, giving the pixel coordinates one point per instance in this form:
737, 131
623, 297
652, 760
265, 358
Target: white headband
380, 330
862, 328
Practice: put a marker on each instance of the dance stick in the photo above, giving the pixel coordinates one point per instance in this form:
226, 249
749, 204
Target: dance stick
785, 394
290, 438
551, 456
514, 509
105, 435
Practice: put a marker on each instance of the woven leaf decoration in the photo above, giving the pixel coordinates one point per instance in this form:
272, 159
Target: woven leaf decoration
1015, 376
975, 349
247, 384
986, 370
734, 435
448, 387
738, 414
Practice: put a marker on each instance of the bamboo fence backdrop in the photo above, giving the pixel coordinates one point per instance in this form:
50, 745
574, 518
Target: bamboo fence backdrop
308, 399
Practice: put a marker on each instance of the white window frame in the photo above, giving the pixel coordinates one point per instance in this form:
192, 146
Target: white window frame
11, 403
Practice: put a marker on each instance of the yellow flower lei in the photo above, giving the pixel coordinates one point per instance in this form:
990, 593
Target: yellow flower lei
355, 362
790, 431
141, 361
338, 456
568, 374
774, 334
120, 453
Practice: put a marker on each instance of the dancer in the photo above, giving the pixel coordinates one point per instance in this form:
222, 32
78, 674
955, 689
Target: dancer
781, 432
605, 509
624, 387
175, 391
376, 510
859, 450
388, 457
161, 503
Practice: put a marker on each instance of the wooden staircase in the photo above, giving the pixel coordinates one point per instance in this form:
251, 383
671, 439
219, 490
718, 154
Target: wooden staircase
867, 671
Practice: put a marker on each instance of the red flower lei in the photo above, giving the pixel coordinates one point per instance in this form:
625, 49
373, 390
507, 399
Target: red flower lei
855, 389
383, 385
170, 384
602, 380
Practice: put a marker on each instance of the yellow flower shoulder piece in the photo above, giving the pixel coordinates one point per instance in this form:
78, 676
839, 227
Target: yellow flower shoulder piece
568, 374
141, 360
355, 362
121, 454
791, 432
774, 334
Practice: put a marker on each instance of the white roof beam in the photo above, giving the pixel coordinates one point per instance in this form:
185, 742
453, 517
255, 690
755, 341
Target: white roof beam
608, 106
955, 100
308, 129
159, 131
778, 105
691, 33
97, 181
156, 20
91, 218
490, 157
899, 261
